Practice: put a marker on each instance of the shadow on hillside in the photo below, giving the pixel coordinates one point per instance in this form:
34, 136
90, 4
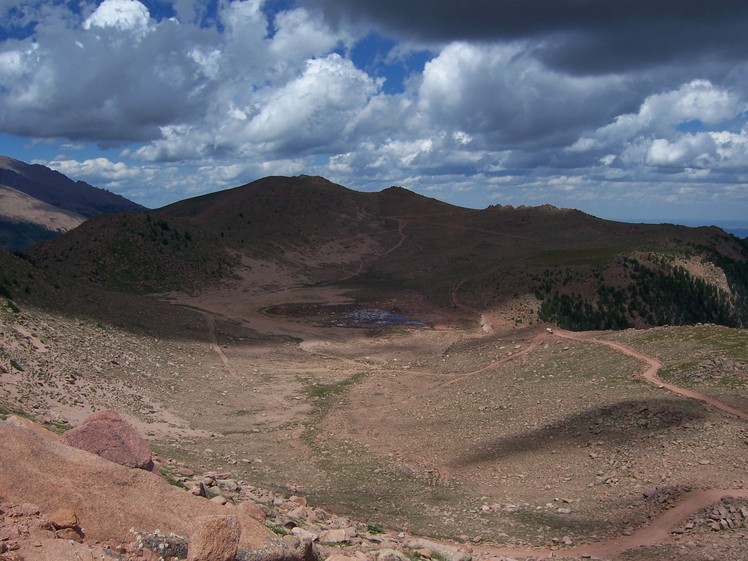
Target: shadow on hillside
613, 425
142, 315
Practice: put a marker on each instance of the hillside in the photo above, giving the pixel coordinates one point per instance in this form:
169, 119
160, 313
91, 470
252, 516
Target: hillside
399, 363
25, 220
37, 203
437, 443
522, 263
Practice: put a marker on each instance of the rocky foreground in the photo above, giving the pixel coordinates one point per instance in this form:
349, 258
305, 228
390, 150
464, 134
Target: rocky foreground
97, 493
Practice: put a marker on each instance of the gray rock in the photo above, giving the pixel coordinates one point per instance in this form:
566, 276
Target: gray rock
390, 555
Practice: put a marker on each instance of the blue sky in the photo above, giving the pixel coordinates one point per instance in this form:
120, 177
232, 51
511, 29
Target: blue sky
626, 109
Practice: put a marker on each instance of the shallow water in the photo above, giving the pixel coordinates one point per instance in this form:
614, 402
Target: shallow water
377, 316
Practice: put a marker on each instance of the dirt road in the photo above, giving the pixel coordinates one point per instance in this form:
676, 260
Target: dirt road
652, 370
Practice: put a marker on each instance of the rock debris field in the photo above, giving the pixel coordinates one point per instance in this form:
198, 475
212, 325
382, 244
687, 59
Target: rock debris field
297, 438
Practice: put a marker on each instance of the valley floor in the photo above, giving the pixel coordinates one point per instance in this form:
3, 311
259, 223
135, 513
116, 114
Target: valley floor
520, 442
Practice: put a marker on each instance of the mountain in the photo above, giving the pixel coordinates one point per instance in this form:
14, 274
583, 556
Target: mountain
559, 265
353, 349
39, 203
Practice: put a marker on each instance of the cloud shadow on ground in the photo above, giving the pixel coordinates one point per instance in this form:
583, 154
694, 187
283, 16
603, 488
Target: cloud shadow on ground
616, 424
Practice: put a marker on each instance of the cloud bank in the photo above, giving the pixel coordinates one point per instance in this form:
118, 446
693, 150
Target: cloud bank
594, 104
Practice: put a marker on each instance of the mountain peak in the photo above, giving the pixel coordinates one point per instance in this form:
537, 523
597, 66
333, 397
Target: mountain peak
40, 202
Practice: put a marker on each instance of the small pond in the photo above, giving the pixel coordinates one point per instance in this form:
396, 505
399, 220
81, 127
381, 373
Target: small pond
369, 317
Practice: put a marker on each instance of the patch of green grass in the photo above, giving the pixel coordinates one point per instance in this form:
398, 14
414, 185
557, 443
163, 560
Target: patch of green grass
57, 427
733, 382
171, 478
278, 530
374, 529
370, 486
731, 341
239, 432
322, 393
527, 521
6, 411
439, 556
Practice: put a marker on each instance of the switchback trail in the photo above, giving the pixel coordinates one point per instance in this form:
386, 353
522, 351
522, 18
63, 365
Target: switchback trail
658, 531
652, 370
495, 364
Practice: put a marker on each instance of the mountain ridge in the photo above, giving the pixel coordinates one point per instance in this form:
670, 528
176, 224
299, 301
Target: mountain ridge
59, 190
581, 271
40, 203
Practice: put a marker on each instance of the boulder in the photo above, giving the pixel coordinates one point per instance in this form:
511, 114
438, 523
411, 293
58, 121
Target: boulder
215, 538
390, 555
337, 535
253, 510
304, 535
301, 501
108, 499
63, 518
108, 435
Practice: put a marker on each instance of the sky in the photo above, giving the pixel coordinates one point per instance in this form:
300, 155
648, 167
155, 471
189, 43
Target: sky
631, 110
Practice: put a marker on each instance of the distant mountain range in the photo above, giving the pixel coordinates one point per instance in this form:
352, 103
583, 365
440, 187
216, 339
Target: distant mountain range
37, 203
539, 263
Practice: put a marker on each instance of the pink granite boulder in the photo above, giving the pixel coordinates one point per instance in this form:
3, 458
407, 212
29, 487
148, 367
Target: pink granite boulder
215, 538
108, 435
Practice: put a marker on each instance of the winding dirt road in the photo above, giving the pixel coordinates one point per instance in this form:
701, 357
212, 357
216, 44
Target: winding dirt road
660, 528
650, 374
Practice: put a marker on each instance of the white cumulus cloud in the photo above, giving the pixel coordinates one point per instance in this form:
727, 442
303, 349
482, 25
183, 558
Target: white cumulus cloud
124, 15
660, 114
692, 150
313, 109
100, 169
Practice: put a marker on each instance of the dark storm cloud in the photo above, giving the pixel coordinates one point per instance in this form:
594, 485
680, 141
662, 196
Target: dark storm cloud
578, 35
